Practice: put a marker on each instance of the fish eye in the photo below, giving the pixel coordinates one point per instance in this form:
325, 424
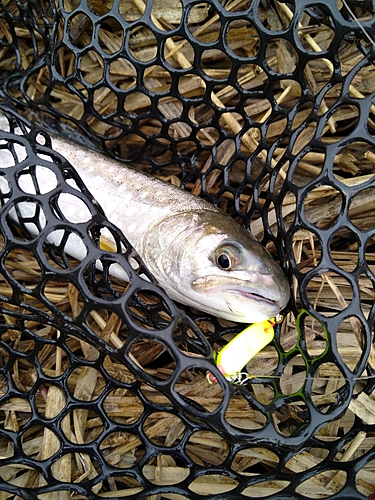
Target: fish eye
223, 261
227, 257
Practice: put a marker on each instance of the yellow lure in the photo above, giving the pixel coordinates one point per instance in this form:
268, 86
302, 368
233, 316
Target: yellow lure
242, 348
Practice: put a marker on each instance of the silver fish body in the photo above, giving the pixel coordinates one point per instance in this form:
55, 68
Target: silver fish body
198, 254
182, 239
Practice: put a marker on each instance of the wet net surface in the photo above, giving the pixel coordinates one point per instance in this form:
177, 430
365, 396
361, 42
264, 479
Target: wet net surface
264, 108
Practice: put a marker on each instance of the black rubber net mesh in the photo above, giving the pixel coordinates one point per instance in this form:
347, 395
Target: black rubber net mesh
264, 109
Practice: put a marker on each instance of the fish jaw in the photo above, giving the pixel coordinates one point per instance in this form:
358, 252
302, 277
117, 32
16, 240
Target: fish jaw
246, 301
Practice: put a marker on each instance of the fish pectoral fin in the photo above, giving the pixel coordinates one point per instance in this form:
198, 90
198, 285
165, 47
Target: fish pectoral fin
107, 245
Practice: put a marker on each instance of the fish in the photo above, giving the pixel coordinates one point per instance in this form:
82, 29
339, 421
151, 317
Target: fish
199, 255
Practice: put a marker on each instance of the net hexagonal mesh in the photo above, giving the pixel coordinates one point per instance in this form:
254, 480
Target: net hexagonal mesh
264, 108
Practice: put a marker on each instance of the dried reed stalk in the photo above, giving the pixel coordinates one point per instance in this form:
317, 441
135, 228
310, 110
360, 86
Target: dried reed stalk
329, 292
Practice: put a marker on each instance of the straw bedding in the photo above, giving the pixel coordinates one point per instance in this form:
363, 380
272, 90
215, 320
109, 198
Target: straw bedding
354, 165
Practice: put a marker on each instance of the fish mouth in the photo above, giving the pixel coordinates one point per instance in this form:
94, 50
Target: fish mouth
250, 300
254, 307
247, 289
256, 296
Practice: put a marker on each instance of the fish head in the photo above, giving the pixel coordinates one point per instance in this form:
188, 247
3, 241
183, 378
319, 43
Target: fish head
208, 261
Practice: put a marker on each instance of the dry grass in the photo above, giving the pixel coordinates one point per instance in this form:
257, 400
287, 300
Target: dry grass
205, 448
328, 292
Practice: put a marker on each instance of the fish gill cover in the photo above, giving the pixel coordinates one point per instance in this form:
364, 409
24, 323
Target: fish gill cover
264, 108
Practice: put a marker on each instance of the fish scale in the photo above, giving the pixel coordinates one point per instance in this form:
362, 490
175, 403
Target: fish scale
144, 200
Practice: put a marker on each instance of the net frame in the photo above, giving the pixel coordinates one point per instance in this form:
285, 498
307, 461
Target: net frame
304, 434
